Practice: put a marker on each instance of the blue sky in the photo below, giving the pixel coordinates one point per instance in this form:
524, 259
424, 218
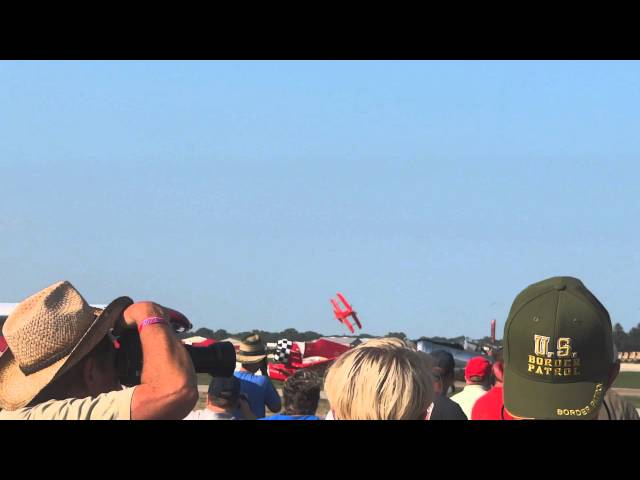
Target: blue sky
246, 194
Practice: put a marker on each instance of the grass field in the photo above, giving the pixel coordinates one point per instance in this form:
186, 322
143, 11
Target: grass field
627, 380
203, 378
635, 401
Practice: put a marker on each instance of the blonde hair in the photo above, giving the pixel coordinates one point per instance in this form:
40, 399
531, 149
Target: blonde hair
389, 342
383, 379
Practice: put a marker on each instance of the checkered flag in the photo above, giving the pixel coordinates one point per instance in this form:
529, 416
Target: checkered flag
283, 351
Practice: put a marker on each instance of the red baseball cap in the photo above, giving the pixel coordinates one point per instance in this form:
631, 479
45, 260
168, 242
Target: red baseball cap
477, 367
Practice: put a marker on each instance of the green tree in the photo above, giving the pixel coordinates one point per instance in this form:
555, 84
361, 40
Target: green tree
291, 334
203, 332
221, 334
267, 337
620, 338
400, 335
633, 337
309, 336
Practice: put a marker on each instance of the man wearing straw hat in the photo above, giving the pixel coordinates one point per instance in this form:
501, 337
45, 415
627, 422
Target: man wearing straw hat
60, 361
258, 388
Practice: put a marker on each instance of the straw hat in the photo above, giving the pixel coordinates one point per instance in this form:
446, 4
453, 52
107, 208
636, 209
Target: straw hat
251, 350
47, 334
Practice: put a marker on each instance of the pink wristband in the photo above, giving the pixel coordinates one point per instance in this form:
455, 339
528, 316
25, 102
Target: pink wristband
151, 321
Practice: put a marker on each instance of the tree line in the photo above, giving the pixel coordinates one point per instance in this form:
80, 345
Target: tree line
626, 342
267, 337
296, 336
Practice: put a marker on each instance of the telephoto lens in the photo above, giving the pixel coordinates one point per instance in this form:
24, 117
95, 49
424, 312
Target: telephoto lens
218, 359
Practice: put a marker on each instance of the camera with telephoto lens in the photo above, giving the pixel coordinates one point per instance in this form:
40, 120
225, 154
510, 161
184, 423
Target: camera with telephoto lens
218, 359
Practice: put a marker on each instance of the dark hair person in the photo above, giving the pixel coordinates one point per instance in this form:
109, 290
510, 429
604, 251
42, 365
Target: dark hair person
443, 373
301, 394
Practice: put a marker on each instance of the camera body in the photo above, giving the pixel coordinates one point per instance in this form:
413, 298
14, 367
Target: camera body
218, 359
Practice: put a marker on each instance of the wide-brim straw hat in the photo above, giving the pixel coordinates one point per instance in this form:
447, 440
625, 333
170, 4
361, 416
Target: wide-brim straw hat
47, 334
251, 350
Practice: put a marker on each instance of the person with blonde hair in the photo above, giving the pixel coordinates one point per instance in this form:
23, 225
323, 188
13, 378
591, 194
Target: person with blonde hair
383, 379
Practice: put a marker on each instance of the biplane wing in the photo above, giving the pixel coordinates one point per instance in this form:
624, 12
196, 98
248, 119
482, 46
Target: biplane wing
290, 357
343, 315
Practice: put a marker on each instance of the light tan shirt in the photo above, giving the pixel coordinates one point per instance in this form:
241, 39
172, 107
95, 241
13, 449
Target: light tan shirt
207, 414
468, 396
114, 405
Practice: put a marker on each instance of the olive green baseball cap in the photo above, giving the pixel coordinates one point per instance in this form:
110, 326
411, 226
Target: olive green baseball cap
558, 352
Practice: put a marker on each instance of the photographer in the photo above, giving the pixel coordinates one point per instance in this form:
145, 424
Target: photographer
61, 361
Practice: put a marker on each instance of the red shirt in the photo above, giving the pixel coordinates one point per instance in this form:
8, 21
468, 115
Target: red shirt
490, 406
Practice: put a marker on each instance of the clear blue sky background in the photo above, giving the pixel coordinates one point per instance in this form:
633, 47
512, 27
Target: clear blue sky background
246, 194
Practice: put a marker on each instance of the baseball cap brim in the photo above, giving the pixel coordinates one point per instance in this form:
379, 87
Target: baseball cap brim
524, 398
224, 387
249, 359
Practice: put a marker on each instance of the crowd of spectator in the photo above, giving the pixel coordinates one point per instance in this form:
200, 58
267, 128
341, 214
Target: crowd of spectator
558, 362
